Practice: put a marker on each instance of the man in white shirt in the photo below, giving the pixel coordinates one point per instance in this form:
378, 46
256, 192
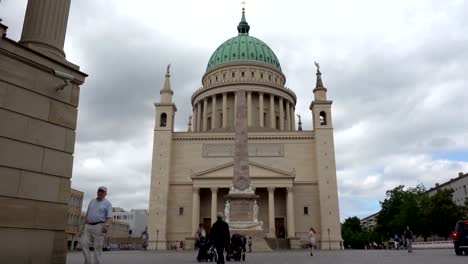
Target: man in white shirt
97, 221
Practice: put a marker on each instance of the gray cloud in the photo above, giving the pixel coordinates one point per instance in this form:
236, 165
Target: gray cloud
395, 71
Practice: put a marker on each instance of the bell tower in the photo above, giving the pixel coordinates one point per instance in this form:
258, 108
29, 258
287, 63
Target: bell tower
330, 228
160, 171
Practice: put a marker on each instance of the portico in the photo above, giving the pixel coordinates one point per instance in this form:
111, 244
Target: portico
273, 186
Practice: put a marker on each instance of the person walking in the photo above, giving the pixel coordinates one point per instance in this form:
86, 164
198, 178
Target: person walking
97, 220
312, 234
408, 234
220, 236
396, 241
249, 242
199, 235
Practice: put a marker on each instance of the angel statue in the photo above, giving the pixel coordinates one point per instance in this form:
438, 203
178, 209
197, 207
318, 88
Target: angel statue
299, 116
168, 68
318, 66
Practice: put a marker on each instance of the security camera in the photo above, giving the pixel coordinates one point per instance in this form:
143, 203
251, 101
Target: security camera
66, 78
64, 75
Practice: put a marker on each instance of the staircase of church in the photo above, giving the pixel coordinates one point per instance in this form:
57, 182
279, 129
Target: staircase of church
259, 245
278, 243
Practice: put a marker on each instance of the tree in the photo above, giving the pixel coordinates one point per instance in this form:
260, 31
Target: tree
401, 208
351, 233
443, 213
353, 224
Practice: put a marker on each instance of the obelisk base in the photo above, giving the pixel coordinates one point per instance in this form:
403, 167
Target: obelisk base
243, 216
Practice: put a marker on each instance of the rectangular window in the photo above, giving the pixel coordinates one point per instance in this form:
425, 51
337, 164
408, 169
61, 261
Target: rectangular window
224, 76
233, 74
181, 211
261, 75
252, 74
306, 210
242, 74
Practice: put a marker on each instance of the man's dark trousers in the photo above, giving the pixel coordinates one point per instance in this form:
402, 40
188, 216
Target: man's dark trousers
220, 252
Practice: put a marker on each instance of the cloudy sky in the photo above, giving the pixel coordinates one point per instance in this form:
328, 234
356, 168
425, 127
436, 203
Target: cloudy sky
396, 72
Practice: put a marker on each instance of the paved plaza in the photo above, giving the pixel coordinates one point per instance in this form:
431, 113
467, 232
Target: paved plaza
285, 257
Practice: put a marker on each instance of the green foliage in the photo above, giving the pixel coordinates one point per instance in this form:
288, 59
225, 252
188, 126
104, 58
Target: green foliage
425, 215
353, 235
353, 224
442, 213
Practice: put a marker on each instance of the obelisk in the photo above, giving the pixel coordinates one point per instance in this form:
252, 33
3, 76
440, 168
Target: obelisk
241, 205
241, 179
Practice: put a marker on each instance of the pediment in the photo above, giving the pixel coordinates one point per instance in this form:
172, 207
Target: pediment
256, 170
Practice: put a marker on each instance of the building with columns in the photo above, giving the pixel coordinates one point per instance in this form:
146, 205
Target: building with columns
39, 96
292, 170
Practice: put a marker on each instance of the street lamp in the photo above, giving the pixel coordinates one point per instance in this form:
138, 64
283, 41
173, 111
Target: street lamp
157, 235
329, 242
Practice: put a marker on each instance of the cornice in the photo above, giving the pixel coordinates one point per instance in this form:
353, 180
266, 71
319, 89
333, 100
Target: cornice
200, 136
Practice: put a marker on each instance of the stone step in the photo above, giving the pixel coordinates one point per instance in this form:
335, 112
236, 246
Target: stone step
259, 245
278, 243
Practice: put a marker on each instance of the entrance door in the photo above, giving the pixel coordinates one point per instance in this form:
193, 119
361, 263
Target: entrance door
280, 231
207, 225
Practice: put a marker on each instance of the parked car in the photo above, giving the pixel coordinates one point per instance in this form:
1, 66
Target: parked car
460, 237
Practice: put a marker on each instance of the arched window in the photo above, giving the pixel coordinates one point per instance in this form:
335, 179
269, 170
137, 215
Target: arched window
163, 121
323, 118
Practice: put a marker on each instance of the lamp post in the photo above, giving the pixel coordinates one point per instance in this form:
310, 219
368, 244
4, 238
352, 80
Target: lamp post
157, 235
329, 242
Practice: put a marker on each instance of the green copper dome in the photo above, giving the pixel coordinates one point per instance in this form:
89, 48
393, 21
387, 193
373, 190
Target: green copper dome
243, 48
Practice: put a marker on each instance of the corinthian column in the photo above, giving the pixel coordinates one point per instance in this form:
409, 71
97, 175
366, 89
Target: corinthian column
281, 113
213, 112
45, 26
260, 110
214, 204
198, 117
195, 210
271, 211
290, 213
205, 114
249, 109
272, 112
225, 110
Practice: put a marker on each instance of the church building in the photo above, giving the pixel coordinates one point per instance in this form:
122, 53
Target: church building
292, 170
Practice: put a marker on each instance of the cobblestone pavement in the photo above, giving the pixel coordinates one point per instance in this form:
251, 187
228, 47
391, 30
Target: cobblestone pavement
286, 257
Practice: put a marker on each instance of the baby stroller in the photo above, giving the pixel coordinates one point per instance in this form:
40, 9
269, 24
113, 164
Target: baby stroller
206, 251
236, 250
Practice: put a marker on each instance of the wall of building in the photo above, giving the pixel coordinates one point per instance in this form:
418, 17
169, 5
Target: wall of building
459, 186
37, 139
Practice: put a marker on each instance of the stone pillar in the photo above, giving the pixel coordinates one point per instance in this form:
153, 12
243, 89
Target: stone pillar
260, 110
290, 212
249, 109
195, 210
271, 211
293, 118
45, 26
214, 204
213, 112
72, 246
281, 113
235, 108
288, 117
198, 117
194, 118
224, 110
272, 112
205, 114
